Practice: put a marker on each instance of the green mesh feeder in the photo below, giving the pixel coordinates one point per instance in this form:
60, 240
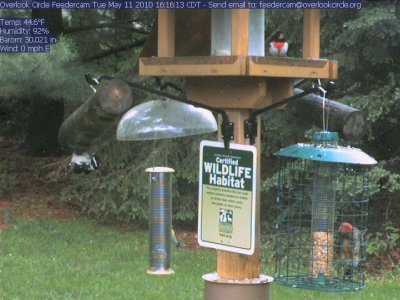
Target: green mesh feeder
322, 203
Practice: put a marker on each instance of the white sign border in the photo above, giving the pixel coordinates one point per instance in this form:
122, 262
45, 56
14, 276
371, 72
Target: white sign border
253, 200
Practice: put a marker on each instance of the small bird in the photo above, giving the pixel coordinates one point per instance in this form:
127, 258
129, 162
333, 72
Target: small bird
84, 162
93, 81
174, 239
352, 241
279, 46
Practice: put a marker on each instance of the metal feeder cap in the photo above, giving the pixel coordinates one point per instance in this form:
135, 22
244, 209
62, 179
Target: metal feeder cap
325, 136
159, 170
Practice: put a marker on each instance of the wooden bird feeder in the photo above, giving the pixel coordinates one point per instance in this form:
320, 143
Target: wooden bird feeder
239, 83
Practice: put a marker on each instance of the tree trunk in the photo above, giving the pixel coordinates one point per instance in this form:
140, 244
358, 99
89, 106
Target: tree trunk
45, 115
346, 120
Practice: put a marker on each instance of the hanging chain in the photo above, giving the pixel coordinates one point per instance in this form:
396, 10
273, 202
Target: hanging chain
154, 150
166, 155
325, 111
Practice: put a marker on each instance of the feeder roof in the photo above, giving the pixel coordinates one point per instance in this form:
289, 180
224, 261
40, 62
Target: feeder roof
325, 149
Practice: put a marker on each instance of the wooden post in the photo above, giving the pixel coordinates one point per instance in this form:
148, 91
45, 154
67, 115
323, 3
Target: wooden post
166, 32
240, 32
311, 31
232, 265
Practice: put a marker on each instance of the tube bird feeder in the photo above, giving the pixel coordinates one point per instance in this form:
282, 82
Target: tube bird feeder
221, 32
323, 207
160, 220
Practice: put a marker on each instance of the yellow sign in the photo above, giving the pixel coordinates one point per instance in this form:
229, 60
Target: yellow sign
227, 184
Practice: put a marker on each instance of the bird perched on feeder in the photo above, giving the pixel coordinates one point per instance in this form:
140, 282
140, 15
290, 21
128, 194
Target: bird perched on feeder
279, 46
352, 241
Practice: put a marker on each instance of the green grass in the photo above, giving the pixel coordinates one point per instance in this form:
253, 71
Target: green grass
79, 260
76, 259
387, 289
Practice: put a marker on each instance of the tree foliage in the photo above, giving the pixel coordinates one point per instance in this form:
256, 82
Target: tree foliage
100, 42
52, 74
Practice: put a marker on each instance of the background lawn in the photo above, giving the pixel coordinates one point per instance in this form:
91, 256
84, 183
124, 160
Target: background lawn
77, 259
